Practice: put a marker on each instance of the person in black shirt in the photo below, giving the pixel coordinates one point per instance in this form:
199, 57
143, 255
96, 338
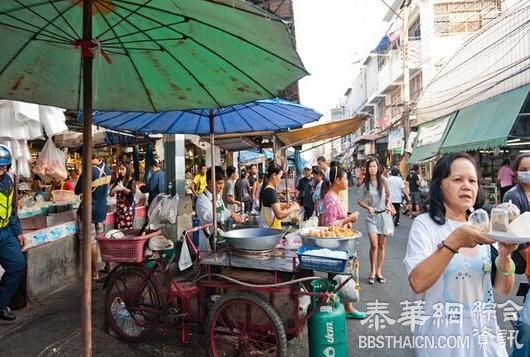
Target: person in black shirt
302, 186
243, 192
414, 187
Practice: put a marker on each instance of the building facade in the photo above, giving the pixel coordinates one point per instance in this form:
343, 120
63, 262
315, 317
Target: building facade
436, 29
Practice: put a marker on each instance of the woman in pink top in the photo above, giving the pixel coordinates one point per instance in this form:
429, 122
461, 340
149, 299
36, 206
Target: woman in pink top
505, 177
335, 214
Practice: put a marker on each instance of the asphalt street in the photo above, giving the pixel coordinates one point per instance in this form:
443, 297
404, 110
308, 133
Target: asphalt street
51, 327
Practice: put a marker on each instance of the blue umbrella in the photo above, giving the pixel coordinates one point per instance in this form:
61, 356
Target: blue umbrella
260, 115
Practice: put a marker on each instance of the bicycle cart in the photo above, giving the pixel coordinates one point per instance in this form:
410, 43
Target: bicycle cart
247, 303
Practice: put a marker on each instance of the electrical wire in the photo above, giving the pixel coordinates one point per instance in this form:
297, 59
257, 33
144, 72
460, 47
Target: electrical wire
473, 83
391, 9
500, 20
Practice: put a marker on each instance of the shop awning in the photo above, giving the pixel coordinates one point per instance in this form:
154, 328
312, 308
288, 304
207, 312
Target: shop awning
486, 124
430, 137
326, 131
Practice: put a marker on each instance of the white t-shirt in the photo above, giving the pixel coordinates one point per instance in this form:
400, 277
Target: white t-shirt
465, 286
229, 190
395, 186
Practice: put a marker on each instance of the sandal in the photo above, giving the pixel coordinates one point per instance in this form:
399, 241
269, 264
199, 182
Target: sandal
371, 280
380, 279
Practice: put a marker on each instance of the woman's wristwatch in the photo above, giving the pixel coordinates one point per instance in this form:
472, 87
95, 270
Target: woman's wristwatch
443, 245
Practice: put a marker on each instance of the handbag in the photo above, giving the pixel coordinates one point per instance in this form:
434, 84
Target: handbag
387, 223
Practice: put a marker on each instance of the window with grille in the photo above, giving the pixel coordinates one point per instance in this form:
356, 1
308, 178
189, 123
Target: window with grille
461, 16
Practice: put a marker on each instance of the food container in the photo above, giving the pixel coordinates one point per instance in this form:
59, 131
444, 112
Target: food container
63, 196
319, 263
253, 238
348, 244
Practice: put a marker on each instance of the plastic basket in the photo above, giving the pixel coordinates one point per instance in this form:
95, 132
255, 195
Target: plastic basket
124, 250
63, 196
326, 264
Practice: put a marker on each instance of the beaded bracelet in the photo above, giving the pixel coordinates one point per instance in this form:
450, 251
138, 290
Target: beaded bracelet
505, 273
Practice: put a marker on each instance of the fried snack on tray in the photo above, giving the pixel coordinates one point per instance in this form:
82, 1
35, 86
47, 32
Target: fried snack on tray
331, 232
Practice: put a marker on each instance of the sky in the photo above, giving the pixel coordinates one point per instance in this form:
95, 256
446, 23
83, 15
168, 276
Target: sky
330, 36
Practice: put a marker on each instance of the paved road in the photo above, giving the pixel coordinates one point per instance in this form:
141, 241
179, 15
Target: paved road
51, 327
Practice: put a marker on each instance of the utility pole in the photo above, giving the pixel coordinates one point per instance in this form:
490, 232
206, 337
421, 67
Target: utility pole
406, 80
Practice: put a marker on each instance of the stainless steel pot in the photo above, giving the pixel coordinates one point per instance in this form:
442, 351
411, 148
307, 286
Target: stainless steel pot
253, 238
253, 219
346, 244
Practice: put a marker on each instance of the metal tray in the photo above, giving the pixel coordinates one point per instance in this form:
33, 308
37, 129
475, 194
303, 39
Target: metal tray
348, 244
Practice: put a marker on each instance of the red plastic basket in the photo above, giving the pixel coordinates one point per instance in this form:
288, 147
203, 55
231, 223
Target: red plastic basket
124, 250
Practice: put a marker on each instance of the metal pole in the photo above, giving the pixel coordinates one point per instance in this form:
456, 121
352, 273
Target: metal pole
214, 195
406, 79
86, 298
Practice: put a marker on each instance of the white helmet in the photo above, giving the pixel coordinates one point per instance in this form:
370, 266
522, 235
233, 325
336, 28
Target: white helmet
114, 234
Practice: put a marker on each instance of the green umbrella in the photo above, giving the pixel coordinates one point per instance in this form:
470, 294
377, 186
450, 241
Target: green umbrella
150, 55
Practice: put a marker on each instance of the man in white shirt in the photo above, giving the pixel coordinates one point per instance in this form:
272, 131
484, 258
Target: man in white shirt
204, 207
229, 189
395, 186
321, 161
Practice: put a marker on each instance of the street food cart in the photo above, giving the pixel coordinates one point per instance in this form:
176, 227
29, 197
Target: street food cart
249, 298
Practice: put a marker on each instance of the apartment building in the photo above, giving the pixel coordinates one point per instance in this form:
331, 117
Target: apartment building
436, 29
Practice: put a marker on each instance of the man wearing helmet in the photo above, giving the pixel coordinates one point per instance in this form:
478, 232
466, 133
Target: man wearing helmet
11, 238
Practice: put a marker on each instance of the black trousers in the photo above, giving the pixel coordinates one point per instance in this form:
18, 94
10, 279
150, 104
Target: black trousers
397, 207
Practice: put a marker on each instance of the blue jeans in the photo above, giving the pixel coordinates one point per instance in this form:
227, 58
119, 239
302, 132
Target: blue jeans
14, 264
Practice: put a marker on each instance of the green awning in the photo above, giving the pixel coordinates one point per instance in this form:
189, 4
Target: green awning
486, 124
430, 137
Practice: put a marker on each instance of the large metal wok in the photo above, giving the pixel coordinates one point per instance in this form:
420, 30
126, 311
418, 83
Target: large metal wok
253, 238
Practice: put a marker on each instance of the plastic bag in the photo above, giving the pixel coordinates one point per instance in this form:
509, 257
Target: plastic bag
169, 209
349, 292
480, 219
163, 209
51, 163
185, 256
387, 223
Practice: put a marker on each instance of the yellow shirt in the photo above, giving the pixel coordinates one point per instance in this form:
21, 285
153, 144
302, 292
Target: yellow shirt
200, 183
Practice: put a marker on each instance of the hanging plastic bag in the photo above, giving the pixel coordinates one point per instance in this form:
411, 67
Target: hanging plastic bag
163, 210
51, 163
349, 292
185, 256
169, 209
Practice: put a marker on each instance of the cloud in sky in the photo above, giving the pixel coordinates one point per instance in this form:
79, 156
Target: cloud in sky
330, 35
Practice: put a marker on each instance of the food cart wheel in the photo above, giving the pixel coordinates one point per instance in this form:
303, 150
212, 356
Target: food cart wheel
132, 304
244, 324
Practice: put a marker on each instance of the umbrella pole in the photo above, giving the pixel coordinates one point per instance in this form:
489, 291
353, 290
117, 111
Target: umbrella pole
214, 194
86, 298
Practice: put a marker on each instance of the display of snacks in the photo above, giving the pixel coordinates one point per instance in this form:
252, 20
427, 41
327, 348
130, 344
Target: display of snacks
331, 232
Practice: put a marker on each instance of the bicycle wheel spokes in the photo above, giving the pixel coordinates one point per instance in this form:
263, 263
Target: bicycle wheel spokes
245, 327
132, 304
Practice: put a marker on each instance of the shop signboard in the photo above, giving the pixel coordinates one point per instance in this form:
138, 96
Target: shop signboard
395, 141
431, 134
